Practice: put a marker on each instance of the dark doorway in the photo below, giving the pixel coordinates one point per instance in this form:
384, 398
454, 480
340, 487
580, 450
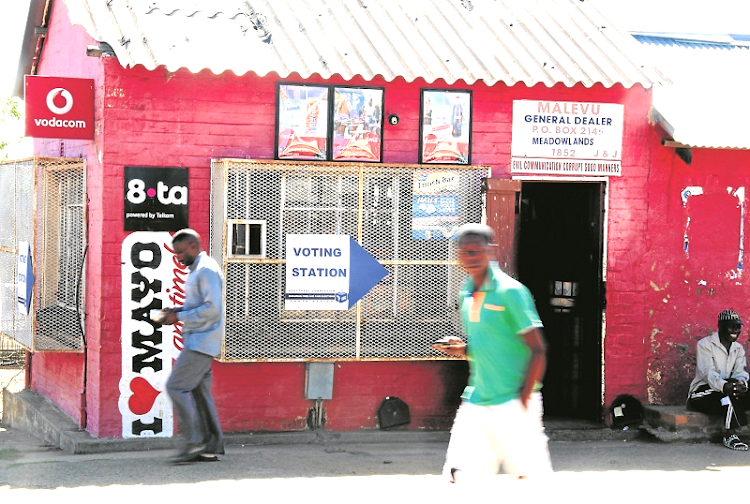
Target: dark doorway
560, 260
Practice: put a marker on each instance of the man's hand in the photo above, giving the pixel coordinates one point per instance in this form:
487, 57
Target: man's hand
450, 346
735, 388
170, 316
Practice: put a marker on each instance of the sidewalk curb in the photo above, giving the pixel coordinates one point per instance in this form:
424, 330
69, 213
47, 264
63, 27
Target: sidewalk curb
32, 413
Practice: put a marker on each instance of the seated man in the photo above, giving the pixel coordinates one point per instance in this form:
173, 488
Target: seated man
720, 383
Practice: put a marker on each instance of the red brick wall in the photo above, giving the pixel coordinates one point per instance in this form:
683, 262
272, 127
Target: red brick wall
270, 396
158, 118
60, 376
686, 291
628, 212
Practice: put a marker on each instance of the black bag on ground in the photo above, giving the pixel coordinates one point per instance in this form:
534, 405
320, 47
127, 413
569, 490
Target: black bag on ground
626, 411
392, 412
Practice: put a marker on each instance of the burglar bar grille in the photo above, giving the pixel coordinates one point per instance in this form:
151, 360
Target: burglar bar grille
376, 205
44, 202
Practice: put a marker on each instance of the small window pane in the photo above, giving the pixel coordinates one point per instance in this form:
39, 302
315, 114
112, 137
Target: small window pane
247, 238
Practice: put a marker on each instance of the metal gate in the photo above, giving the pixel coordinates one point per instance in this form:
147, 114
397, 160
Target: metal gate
255, 204
43, 205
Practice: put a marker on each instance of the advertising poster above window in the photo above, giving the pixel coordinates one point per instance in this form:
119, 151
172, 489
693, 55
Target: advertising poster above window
302, 122
435, 205
59, 107
567, 138
357, 124
156, 198
445, 127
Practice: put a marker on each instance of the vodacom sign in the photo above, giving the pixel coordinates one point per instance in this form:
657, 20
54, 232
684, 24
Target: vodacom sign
59, 107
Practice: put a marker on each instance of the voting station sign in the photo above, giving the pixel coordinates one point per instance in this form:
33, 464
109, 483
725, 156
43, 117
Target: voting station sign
25, 280
328, 272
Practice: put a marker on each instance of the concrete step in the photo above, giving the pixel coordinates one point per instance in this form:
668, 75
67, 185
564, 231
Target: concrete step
676, 423
576, 429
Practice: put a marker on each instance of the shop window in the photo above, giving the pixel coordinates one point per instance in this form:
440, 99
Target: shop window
54, 225
403, 215
246, 238
59, 317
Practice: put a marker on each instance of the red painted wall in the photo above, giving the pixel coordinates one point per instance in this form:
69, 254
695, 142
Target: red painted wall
59, 376
687, 290
153, 118
270, 396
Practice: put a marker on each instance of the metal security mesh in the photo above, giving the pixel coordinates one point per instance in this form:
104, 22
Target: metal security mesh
60, 248
44, 199
16, 219
399, 318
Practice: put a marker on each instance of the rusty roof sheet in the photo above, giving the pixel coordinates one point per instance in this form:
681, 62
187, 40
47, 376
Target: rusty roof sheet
509, 41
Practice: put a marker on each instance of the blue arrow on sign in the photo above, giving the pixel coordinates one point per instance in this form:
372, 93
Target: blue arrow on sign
365, 272
29, 281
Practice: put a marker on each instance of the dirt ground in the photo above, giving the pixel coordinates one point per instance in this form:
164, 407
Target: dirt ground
13, 379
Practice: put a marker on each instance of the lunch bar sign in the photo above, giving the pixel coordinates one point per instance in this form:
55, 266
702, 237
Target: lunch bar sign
59, 107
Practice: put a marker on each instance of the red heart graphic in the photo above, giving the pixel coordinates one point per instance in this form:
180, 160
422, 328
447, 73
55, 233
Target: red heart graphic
143, 396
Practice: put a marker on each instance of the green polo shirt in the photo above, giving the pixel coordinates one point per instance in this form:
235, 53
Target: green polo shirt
495, 318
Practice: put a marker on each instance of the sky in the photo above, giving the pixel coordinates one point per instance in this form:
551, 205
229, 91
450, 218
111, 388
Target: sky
12, 25
684, 16
679, 16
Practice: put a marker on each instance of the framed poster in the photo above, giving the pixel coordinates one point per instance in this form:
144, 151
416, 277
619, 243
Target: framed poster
445, 127
302, 122
357, 124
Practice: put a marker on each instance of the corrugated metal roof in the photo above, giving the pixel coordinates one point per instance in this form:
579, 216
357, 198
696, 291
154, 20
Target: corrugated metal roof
695, 41
696, 115
510, 41
706, 105
696, 58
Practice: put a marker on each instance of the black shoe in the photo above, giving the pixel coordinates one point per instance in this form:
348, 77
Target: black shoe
207, 457
733, 442
190, 453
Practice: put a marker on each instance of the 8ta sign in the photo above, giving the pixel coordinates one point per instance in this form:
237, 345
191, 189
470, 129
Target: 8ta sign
156, 198
59, 107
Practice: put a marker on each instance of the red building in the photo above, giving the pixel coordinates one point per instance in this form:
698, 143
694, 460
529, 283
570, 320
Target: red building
549, 102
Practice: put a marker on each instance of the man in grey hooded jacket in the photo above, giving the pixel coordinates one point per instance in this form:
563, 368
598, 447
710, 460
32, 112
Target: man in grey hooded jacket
721, 377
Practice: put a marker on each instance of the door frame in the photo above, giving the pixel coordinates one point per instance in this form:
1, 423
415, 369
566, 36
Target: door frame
605, 227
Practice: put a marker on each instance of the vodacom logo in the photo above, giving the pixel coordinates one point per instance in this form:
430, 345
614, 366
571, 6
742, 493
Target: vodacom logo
51, 101
59, 107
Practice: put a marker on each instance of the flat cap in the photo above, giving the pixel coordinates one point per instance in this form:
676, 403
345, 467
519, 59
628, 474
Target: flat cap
475, 230
730, 316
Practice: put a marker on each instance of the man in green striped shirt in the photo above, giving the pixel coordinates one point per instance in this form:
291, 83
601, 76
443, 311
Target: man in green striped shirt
499, 423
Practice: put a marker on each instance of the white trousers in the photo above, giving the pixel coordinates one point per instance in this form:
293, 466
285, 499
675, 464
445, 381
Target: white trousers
486, 439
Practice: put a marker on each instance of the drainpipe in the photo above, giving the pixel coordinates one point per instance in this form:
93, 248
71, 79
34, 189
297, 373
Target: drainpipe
83, 405
27, 383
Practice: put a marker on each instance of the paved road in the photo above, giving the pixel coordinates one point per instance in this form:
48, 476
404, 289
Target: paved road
331, 472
